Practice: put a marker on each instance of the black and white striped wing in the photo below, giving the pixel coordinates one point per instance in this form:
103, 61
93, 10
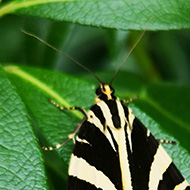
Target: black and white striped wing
153, 167
114, 151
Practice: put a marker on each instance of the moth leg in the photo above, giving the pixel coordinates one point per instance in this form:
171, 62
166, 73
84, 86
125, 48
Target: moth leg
129, 100
72, 135
68, 109
166, 141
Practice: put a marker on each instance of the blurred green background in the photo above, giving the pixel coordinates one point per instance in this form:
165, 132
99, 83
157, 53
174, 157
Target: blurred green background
161, 55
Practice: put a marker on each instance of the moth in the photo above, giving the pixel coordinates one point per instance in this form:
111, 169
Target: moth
114, 150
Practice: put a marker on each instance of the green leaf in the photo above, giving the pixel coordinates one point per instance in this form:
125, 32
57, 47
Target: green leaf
122, 14
21, 163
158, 113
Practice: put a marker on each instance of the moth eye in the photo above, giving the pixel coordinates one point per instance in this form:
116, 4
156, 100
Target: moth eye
91, 116
98, 91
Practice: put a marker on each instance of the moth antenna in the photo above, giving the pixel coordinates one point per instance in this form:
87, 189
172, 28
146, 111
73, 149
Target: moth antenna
131, 50
61, 52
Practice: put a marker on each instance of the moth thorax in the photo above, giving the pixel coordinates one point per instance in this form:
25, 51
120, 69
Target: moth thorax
105, 92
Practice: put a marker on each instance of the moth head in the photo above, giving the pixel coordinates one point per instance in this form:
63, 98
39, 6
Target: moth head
105, 91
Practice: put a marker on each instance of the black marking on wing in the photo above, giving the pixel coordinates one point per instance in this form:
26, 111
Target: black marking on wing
99, 153
171, 178
141, 157
98, 113
113, 139
114, 112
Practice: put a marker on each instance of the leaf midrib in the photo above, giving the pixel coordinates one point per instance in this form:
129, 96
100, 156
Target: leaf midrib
18, 5
42, 86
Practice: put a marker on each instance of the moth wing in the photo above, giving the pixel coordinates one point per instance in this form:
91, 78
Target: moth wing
94, 164
152, 165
